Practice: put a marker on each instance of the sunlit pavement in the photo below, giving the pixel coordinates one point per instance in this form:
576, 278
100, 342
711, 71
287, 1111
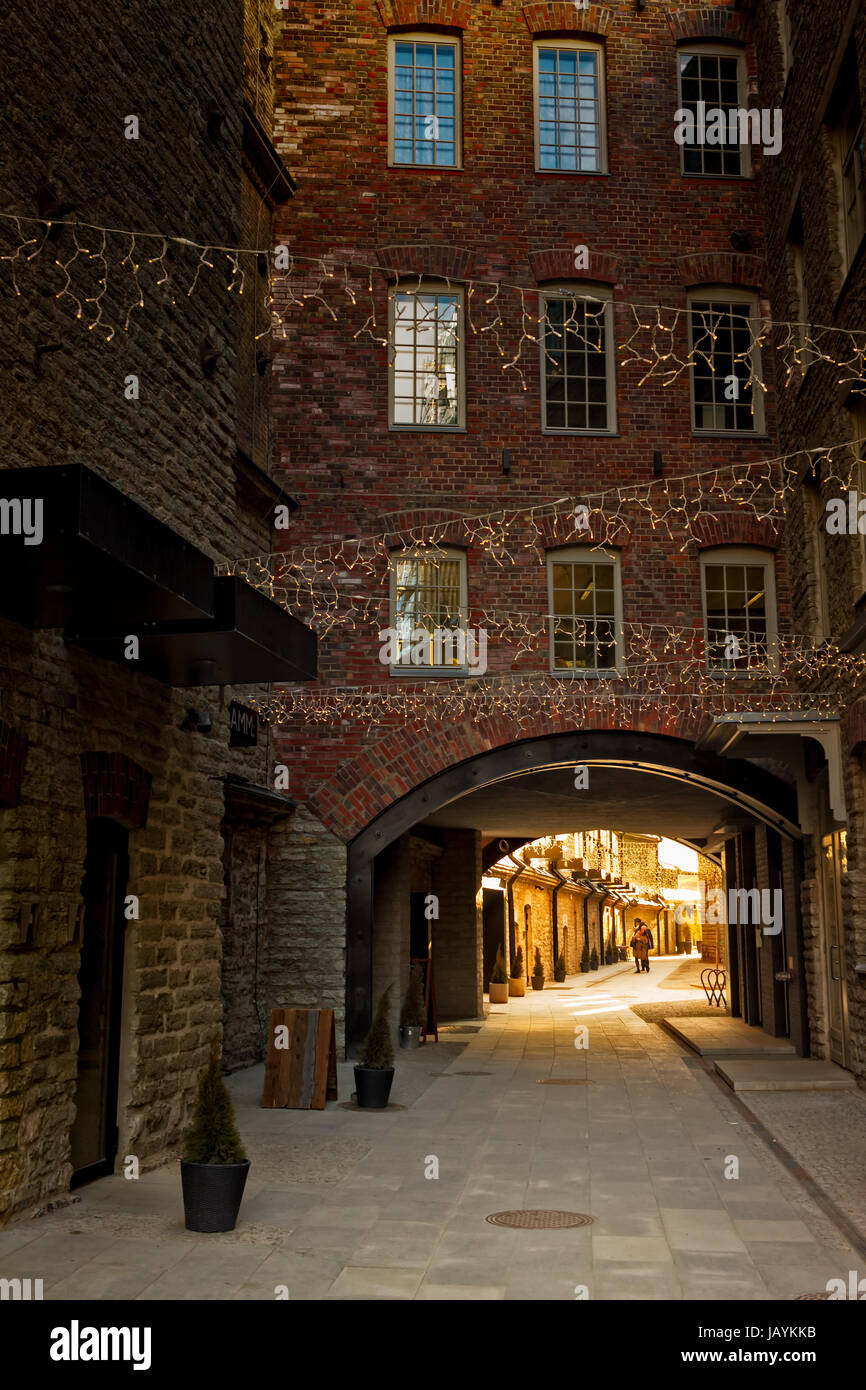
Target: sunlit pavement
642, 1146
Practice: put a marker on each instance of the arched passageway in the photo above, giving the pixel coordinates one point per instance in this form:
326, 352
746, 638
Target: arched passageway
634, 780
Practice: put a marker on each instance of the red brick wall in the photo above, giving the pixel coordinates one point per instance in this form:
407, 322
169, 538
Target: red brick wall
650, 232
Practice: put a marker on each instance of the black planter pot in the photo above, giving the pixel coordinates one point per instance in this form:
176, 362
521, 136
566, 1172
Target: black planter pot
538, 982
373, 1087
584, 967
559, 977
212, 1194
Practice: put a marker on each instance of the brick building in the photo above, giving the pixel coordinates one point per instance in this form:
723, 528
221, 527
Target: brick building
811, 64
495, 198
139, 827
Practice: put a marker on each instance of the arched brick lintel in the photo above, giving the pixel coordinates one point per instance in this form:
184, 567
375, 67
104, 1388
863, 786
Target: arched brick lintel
425, 14
433, 259
720, 268
13, 750
710, 22
115, 787
563, 16
381, 776
736, 529
557, 263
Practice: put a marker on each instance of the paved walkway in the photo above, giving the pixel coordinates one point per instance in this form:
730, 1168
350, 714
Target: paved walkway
339, 1204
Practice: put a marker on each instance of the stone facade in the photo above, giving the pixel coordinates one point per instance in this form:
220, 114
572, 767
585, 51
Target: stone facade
817, 275
174, 450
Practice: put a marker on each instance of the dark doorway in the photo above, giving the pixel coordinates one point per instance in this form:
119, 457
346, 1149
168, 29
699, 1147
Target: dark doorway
494, 929
100, 978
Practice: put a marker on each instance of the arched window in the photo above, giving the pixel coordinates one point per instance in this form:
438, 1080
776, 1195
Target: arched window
424, 101
585, 611
725, 365
578, 380
739, 600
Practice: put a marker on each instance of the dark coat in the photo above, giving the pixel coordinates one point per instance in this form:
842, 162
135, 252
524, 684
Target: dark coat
640, 945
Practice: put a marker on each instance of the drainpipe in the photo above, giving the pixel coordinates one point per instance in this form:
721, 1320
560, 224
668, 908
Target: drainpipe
512, 923
555, 909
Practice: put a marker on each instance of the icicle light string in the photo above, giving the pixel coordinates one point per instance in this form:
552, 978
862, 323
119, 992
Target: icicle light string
650, 345
320, 578
520, 700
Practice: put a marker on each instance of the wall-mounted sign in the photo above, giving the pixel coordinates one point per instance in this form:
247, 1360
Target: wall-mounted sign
243, 726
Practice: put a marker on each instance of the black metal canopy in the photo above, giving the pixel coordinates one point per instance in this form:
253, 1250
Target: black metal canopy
104, 569
102, 559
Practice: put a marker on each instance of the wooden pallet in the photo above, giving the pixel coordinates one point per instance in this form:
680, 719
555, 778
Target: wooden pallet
303, 1074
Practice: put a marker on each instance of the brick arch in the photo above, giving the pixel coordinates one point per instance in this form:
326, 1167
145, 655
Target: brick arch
435, 259
380, 776
425, 14
709, 22
720, 268
563, 16
735, 529
557, 263
411, 778
13, 750
115, 787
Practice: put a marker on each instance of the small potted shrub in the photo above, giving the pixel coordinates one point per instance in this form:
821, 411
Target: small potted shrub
593, 959
559, 969
537, 971
412, 1012
498, 987
516, 982
584, 959
375, 1070
610, 956
621, 952
214, 1168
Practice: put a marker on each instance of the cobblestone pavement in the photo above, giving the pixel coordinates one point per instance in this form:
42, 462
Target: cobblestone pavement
339, 1204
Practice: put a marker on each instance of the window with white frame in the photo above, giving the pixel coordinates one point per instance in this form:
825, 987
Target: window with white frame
424, 101
570, 134
426, 377
725, 366
739, 602
429, 609
713, 79
585, 598
578, 392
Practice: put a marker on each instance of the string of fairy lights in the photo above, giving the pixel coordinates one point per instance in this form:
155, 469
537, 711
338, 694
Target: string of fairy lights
663, 341
105, 277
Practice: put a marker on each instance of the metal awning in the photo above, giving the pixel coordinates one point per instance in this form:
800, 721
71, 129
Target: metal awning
99, 557
77, 554
249, 641
779, 734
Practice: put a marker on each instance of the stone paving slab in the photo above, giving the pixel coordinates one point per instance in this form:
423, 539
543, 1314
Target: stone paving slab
727, 1037
643, 1150
784, 1074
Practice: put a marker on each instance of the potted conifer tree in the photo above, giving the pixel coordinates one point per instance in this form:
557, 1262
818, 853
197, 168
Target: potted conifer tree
593, 959
559, 968
498, 987
412, 1012
584, 959
375, 1070
516, 982
537, 971
214, 1168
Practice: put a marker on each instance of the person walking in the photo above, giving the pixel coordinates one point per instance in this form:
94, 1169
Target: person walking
640, 944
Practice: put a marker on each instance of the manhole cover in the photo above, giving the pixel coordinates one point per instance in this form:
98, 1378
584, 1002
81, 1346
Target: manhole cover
540, 1220
811, 1297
